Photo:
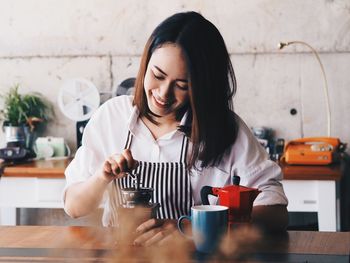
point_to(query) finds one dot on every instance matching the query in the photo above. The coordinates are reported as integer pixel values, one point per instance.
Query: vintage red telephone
(239, 199)
(313, 151)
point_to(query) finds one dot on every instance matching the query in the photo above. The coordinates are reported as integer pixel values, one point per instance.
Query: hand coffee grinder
(239, 199)
(136, 208)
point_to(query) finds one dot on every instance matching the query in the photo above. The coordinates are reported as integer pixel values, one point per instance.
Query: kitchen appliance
(239, 199)
(18, 144)
(16, 154)
(135, 209)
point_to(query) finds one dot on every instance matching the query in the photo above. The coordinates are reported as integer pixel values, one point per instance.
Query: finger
(156, 238)
(122, 163)
(119, 164)
(166, 240)
(148, 225)
(142, 239)
(115, 170)
(107, 171)
(131, 162)
(107, 167)
(163, 236)
(174, 235)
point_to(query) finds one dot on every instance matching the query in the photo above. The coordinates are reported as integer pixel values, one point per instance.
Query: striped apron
(170, 181)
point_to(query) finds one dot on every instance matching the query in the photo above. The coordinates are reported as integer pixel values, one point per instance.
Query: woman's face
(166, 81)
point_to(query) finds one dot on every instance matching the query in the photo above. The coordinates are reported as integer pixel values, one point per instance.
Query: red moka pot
(239, 199)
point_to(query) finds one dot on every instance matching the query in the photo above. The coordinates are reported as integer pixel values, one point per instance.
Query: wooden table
(98, 244)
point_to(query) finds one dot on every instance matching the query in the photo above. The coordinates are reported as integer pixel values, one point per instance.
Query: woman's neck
(162, 127)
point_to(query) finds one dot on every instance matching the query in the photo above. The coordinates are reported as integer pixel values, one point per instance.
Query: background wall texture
(44, 42)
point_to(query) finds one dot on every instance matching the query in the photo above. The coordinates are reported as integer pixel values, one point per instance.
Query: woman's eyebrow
(161, 71)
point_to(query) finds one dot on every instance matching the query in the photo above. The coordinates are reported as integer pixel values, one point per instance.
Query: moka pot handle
(208, 190)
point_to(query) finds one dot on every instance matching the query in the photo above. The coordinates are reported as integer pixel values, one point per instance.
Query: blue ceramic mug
(209, 225)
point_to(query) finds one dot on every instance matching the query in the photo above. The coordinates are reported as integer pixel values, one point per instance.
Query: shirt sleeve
(82, 166)
(266, 176)
(90, 156)
(256, 170)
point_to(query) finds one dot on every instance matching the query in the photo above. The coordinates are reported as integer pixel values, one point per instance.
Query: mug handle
(179, 225)
(68, 150)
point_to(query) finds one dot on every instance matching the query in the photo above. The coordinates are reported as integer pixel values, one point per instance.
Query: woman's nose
(166, 89)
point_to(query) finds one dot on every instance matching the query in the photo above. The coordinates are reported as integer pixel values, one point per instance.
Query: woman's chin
(160, 111)
(160, 114)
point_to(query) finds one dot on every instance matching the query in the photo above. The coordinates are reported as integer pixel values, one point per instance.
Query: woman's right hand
(117, 165)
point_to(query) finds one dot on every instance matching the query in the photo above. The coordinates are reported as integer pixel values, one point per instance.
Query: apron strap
(128, 141)
(184, 148)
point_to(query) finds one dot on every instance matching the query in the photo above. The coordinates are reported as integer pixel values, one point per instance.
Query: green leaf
(18, 109)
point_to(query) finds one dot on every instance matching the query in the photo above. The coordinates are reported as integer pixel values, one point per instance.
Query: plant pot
(19, 136)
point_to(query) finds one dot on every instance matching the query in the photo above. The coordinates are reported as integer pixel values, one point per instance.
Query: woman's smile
(161, 103)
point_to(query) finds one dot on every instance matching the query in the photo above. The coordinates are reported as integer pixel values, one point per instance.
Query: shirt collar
(132, 122)
(133, 118)
(184, 118)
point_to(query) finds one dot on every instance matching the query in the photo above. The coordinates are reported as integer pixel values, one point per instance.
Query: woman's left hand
(155, 232)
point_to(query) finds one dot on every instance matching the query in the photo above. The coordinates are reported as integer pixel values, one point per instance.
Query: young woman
(179, 129)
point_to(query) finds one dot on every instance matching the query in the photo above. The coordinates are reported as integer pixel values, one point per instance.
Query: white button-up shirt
(106, 134)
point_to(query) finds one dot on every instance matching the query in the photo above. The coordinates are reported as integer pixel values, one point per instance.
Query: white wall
(44, 42)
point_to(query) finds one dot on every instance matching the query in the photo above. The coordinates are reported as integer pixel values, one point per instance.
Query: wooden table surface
(55, 169)
(312, 172)
(92, 244)
(38, 168)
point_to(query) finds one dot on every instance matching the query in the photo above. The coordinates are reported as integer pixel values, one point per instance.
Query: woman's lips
(161, 104)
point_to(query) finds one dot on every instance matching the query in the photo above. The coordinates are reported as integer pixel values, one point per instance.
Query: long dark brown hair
(211, 124)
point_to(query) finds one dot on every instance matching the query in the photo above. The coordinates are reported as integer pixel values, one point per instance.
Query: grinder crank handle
(208, 190)
(135, 177)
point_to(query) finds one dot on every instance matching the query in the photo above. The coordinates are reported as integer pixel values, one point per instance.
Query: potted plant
(22, 115)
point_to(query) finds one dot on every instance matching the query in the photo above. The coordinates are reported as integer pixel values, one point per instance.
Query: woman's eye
(158, 76)
(182, 87)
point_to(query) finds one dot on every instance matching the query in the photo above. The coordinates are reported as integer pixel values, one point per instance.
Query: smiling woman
(178, 133)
